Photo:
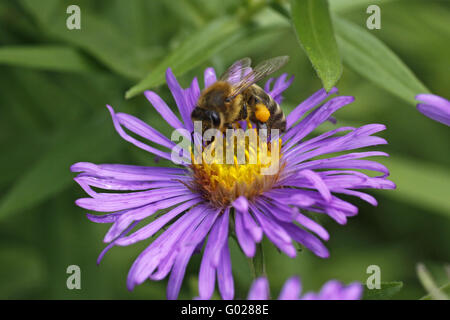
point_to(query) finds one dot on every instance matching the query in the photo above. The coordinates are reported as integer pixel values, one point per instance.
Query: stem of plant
(257, 263)
(428, 283)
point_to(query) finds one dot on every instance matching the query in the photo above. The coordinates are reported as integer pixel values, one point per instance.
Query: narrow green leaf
(346, 5)
(45, 57)
(196, 49)
(312, 24)
(186, 11)
(50, 174)
(387, 291)
(445, 289)
(429, 284)
(373, 60)
(98, 36)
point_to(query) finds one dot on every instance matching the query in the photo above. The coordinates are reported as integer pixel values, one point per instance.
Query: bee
(235, 96)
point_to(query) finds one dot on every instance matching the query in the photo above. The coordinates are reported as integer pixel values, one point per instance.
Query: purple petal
(315, 142)
(352, 292)
(278, 210)
(280, 85)
(113, 243)
(251, 226)
(132, 140)
(313, 226)
(149, 259)
(193, 93)
(209, 77)
(180, 99)
(130, 172)
(318, 183)
(105, 218)
(364, 196)
(434, 107)
(163, 109)
(207, 275)
(179, 267)
(245, 240)
(308, 104)
(156, 225)
(144, 130)
(291, 289)
(259, 290)
(116, 184)
(307, 239)
(216, 241)
(338, 215)
(357, 138)
(141, 213)
(241, 204)
(275, 233)
(329, 290)
(224, 274)
(334, 290)
(314, 119)
(129, 201)
(268, 84)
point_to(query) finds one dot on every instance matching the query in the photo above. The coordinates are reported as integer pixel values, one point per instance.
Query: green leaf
(346, 5)
(312, 24)
(387, 291)
(429, 284)
(50, 174)
(45, 57)
(373, 60)
(97, 36)
(445, 289)
(430, 187)
(186, 11)
(196, 49)
(23, 272)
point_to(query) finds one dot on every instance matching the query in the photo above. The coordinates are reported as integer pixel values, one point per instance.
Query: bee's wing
(261, 71)
(237, 71)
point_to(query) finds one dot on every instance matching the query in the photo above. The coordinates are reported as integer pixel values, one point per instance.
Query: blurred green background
(54, 84)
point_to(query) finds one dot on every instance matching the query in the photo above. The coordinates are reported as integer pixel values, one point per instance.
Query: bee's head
(212, 105)
(209, 118)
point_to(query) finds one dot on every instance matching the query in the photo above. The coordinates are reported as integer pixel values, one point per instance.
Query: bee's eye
(227, 100)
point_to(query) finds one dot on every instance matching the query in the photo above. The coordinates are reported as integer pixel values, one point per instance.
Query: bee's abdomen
(277, 120)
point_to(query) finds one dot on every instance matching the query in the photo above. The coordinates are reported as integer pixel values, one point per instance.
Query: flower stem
(257, 263)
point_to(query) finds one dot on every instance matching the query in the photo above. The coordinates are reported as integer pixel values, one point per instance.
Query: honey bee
(235, 96)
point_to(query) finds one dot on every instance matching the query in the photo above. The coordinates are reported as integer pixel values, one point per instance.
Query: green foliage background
(54, 84)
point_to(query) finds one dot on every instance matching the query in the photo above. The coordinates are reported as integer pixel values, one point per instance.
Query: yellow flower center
(242, 166)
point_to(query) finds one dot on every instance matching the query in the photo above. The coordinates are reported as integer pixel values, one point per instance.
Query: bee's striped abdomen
(277, 119)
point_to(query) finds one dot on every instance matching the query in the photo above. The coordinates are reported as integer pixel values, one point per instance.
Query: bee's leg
(262, 125)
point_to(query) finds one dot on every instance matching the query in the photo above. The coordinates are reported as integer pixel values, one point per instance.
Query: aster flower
(434, 107)
(201, 201)
(332, 290)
